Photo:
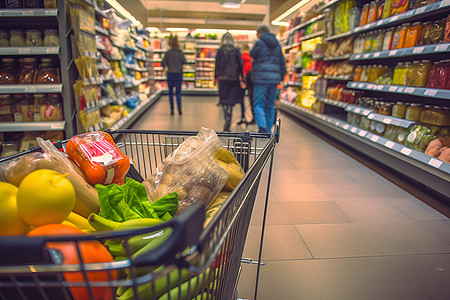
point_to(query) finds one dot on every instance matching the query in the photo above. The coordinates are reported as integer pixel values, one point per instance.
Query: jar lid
(46, 60)
(50, 30)
(8, 60)
(427, 106)
(399, 103)
(30, 60)
(416, 61)
(39, 96)
(33, 31)
(415, 104)
(417, 23)
(17, 31)
(4, 96)
(406, 24)
(426, 61)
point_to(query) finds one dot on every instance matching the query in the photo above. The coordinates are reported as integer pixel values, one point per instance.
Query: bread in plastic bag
(190, 171)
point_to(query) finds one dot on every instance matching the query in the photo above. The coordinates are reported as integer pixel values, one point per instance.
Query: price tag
(445, 3)
(370, 86)
(357, 110)
(406, 151)
(393, 19)
(58, 125)
(390, 144)
(418, 50)
(441, 47)
(420, 10)
(353, 85)
(371, 116)
(336, 123)
(360, 85)
(410, 90)
(357, 29)
(429, 92)
(366, 26)
(51, 50)
(357, 56)
(400, 90)
(379, 87)
(362, 133)
(408, 14)
(376, 54)
(30, 89)
(392, 89)
(49, 12)
(374, 138)
(353, 129)
(366, 55)
(27, 13)
(24, 50)
(387, 121)
(435, 163)
(346, 126)
(392, 53)
(380, 23)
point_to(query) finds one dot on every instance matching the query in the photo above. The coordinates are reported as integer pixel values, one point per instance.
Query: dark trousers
(174, 80)
(227, 113)
(248, 79)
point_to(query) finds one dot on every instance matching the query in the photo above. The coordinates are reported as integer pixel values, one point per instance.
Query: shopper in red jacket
(247, 70)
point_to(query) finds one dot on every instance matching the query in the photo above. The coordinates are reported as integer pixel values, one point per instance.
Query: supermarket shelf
(333, 102)
(338, 36)
(101, 30)
(126, 121)
(405, 52)
(292, 45)
(205, 78)
(339, 77)
(188, 79)
(159, 50)
(328, 4)
(28, 50)
(135, 68)
(189, 51)
(317, 57)
(134, 37)
(208, 47)
(157, 60)
(358, 110)
(31, 126)
(204, 69)
(27, 12)
(130, 49)
(297, 84)
(100, 12)
(143, 58)
(389, 120)
(410, 16)
(143, 48)
(190, 61)
(105, 101)
(342, 57)
(158, 68)
(114, 57)
(206, 42)
(103, 67)
(205, 59)
(432, 173)
(299, 26)
(309, 73)
(160, 78)
(30, 88)
(397, 89)
(311, 36)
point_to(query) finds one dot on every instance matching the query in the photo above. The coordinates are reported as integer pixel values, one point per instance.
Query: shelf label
(353, 85)
(445, 3)
(387, 121)
(371, 116)
(429, 92)
(366, 55)
(365, 112)
(393, 52)
(420, 10)
(374, 138)
(357, 110)
(394, 18)
(435, 163)
(370, 86)
(376, 54)
(410, 90)
(30, 89)
(346, 126)
(390, 144)
(58, 125)
(362, 133)
(49, 12)
(441, 47)
(379, 87)
(418, 50)
(50, 50)
(24, 50)
(27, 13)
(392, 89)
(360, 85)
(357, 56)
(400, 90)
(367, 26)
(408, 14)
(380, 23)
(406, 151)
(353, 129)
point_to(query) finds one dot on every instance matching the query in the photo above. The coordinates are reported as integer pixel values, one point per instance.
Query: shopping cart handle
(19, 250)
(186, 230)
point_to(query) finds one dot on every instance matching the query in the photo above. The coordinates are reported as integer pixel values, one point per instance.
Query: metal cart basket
(195, 262)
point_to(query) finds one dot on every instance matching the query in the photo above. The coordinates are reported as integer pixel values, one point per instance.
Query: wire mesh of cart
(195, 262)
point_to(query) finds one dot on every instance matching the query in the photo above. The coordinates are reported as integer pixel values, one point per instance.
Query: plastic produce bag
(190, 171)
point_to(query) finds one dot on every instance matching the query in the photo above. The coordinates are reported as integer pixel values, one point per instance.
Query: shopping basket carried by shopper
(194, 261)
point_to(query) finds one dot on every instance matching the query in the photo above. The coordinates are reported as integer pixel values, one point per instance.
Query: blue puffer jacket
(269, 66)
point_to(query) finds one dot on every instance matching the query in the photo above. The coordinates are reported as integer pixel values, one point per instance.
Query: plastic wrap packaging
(190, 171)
(99, 158)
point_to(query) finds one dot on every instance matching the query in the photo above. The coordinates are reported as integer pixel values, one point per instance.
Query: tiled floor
(335, 229)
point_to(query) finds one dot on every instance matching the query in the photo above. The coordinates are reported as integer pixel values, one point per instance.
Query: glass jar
(4, 38)
(397, 71)
(373, 10)
(413, 34)
(17, 38)
(368, 42)
(413, 112)
(376, 106)
(8, 73)
(28, 71)
(399, 110)
(411, 74)
(425, 33)
(50, 4)
(422, 72)
(385, 109)
(398, 40)
(6, 108)
(34, 38)
(447, 30)
(364, 17)
(357, 74)
(47, 72)
(51, 38)
(377, 44)
(364, 74)
(387, 40)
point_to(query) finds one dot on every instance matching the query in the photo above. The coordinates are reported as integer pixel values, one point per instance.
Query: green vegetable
(129, 201)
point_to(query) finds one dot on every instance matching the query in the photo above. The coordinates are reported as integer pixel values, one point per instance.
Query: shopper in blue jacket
(268, 70)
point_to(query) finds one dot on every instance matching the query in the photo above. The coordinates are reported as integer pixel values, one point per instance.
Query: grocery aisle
(335, 229)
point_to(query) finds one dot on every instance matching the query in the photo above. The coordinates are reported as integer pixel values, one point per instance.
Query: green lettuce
(129, 201)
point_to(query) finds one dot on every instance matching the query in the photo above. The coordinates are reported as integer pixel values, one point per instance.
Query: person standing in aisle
(228, 73)
(269, 69)
(247, 70)
(173, 63)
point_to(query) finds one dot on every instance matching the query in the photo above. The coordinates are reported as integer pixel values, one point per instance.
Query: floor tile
(431, 272)
(415, 209)
(441, 228)
(332, 279)
(298, 192)
(281, 242)
(371, 239)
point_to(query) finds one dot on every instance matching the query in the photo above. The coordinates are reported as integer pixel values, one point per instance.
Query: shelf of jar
(338, 77)
(311, 36)
(30, 88)
(335, 103)
(101, 30)
(338, 36)
(336, 58)
(143, 48)
(302, 25)
(29, 50)
(404, 52)
(31, 126)
(27, 12)
(400, 89)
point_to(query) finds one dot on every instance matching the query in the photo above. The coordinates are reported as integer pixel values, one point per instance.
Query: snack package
(99, 158)
(190, 171)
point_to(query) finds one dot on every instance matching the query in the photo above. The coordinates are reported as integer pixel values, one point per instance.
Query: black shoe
(252, 122)
(171, 112)
(226, 129)
(242, 121)
(262, 130)
(180, 113)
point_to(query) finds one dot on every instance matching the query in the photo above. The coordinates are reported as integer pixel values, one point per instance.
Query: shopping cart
(193, 263)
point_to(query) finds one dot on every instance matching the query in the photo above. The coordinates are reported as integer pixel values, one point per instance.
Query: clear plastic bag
(190, 171)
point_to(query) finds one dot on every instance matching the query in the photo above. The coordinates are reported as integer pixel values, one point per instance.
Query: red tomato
(91, 252)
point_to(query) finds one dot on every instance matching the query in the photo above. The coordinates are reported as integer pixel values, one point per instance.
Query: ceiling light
(177, 29)
(277, 23)
(232, 3)
(290, 10)
(125, 13)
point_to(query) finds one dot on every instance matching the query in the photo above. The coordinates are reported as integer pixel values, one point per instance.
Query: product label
(406, 151)
(420, 10)
(393, 52)
(362, 133)
(376, 54)
(411, 137)
(390, 144)
(418, 50)
(435, 163)
(392, 89)
(380, 128)
(387, 121)
(374, 138)
(353, 129)
(441, 47)
(48, 112)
